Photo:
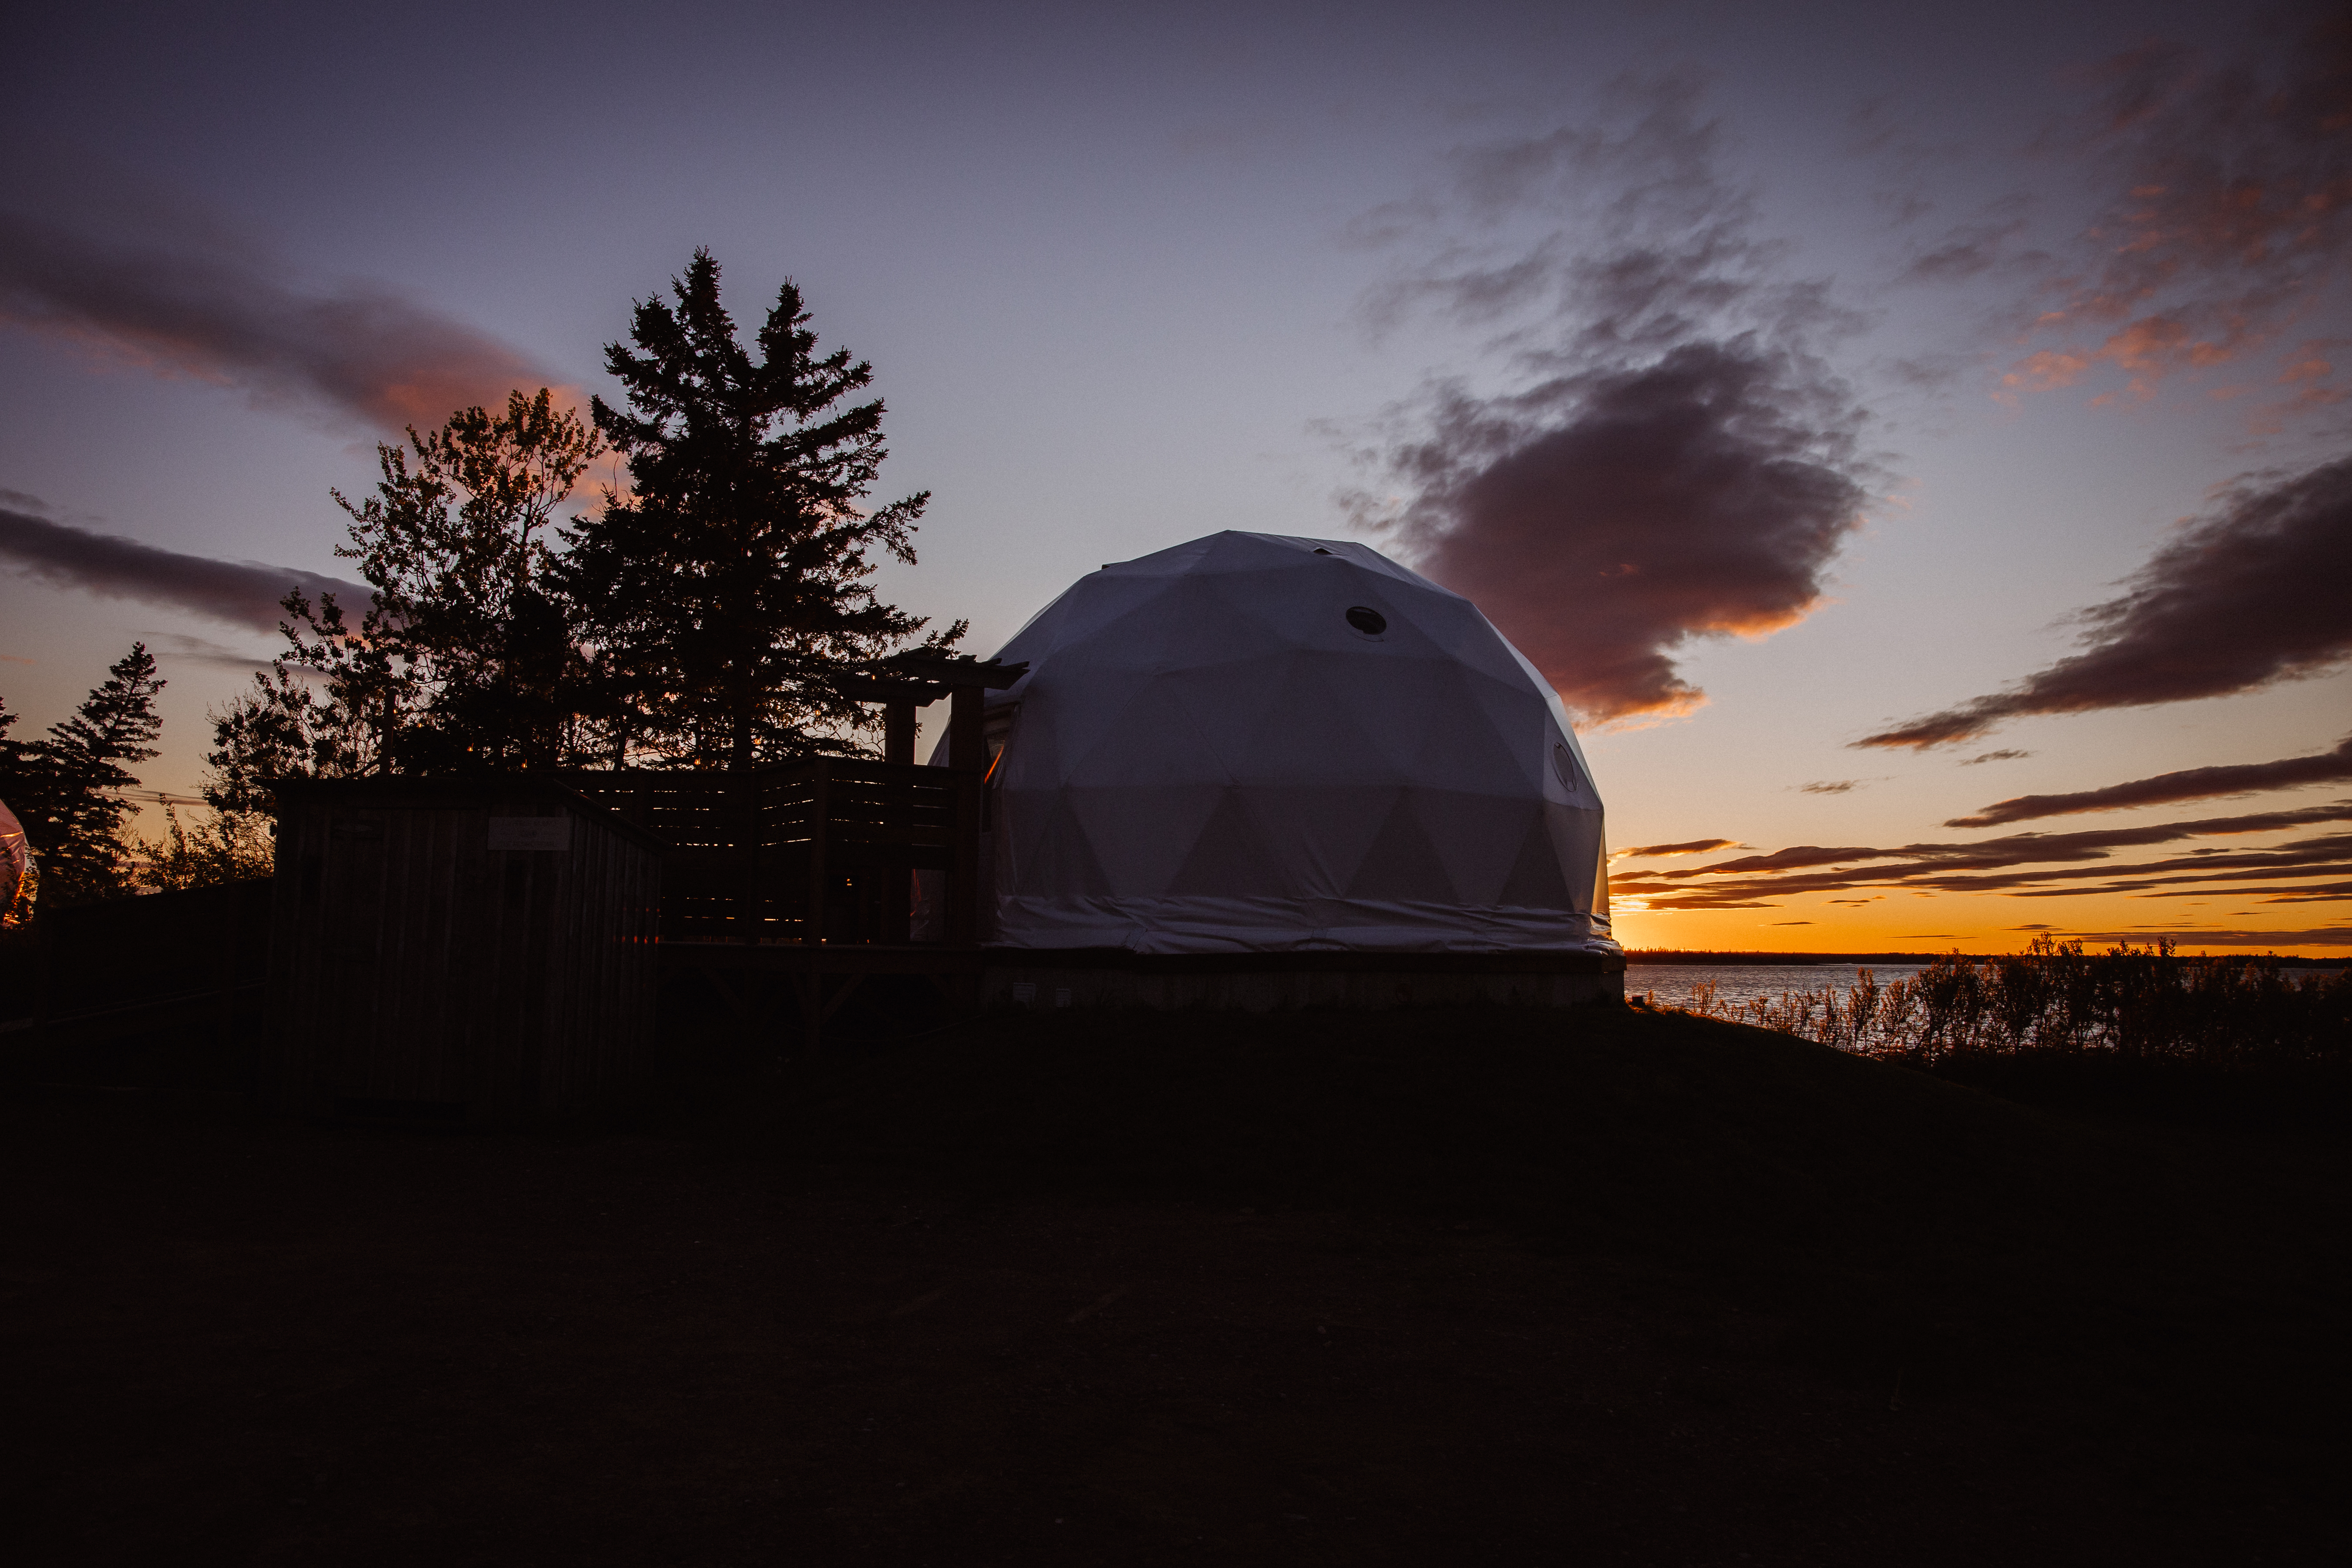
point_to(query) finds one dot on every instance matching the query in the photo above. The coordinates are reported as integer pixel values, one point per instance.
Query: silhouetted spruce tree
(731, 588)
(71, 819)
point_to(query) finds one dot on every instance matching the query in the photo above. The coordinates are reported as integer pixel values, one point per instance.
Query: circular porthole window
(1564, 765)
(1367, 620)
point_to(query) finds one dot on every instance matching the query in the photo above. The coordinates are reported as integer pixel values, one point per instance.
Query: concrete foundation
(1267, 982)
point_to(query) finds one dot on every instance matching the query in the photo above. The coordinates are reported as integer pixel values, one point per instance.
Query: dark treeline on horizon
(1695, 956)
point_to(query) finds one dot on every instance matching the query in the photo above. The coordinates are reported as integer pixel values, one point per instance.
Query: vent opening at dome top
(1367, 620)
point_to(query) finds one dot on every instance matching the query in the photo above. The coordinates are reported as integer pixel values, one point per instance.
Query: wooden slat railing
(819, 851)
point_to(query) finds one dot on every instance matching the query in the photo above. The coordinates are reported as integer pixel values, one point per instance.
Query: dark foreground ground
(1473, 1289)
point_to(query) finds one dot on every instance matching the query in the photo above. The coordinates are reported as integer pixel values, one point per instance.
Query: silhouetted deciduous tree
(454, 546)
(730, 589)
(465, 657)
(223, 847)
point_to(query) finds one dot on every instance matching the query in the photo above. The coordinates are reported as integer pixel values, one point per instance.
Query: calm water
(1739, 982)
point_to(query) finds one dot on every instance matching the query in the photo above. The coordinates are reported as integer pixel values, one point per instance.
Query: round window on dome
(1367, 620)
(1565, 766)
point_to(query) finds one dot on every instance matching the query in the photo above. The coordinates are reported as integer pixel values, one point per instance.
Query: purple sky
(1779, 378)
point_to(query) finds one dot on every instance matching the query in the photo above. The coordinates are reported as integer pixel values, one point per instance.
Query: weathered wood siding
(414, 967)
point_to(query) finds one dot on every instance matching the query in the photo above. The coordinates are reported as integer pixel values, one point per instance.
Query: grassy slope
(1906, 1222)
(1373, 1289)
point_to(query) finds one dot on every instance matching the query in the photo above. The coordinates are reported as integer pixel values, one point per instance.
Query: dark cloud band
(182, 301)
(241, 593)
(2237, 602)
(2015, 862)
(2189, 784)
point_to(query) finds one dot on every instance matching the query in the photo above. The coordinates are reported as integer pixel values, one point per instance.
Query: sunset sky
(1905, 440)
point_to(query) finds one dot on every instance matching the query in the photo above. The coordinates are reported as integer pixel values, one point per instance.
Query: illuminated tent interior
(1255, 743)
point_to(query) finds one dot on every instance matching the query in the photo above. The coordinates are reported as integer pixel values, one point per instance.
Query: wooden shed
(476, 951)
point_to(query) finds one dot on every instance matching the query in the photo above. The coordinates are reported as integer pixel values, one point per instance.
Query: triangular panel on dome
(1402, 865)
(1534, 880)
(1228, 858)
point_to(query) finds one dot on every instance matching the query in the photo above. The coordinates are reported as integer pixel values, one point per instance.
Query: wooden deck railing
(822, 851)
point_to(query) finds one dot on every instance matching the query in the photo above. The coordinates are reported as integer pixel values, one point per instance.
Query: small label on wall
(530, 833)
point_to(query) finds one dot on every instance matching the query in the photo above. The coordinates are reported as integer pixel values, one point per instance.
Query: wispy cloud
(1682, 465)
(242, 592)
(2230, 218)
(1993, 757)
(2236, 601)
(1831, 786)
(1687, 847)
(2188, 783)
(144, 282)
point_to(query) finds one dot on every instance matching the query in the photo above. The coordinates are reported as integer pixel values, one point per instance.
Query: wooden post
(966, 745)
(820, 826)
(967, 760)
(897, 878)
(743, 801)
(898, 729)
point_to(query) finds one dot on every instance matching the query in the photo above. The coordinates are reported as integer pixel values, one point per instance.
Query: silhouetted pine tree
(731, 588)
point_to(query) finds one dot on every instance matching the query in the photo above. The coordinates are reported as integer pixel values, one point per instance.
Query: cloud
(2188, 783)
(2332, 892)
(1994, 757)
(1682, 464)
(2235, 601)
(149, 284)
(2312, 936)
(2229, 217)
(1687, 847)
(242, 592)
(2016, 862)
(179, 647)
(1831, 786)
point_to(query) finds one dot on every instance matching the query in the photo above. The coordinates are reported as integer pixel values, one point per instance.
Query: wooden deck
(803, 876)
(820, 852)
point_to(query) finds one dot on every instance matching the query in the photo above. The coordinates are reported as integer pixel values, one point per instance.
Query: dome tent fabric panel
(1253, 742)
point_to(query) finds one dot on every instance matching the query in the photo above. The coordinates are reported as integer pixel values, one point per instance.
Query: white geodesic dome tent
(1259, 743)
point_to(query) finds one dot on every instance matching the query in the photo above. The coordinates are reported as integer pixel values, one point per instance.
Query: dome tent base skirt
(1271, 982)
